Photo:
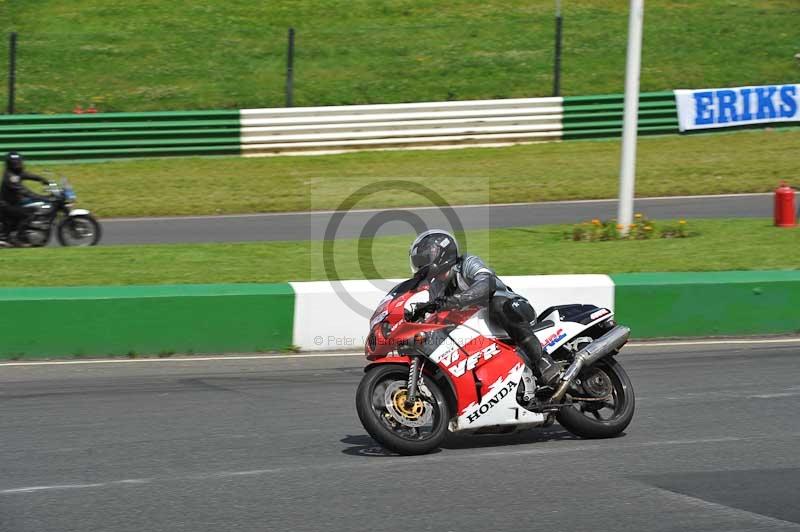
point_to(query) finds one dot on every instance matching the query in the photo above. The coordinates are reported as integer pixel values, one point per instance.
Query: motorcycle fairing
(499, 404)
(563, 331)
(475, 364)
(481, 322)
(451, 357)
(389, 359)
(576, 312)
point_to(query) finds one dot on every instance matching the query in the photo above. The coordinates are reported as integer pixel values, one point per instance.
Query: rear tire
(577, 421)
(380, 418)
(74, 227)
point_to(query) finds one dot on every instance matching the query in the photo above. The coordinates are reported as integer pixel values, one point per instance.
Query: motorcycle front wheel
(81, 230)
(399, 426)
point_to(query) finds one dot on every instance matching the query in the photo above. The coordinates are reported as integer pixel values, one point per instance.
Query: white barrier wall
(330, 316)
(325, 320)
(428, 124)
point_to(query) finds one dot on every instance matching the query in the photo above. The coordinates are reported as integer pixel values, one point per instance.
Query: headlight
(386, 329)
(378, 318)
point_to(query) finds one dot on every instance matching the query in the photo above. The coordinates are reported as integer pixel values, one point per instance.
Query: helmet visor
(421, 256)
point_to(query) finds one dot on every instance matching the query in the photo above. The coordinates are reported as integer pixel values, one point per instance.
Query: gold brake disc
(415, 414)
(413, 411)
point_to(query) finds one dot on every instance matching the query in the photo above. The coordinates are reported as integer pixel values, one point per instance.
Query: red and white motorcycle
(431, 370)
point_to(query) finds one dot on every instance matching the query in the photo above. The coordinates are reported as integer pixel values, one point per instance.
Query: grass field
(720, 245)
(752, 161)
(156, 55)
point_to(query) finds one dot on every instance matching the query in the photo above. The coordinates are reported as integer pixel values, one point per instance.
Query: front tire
(601, 419)
(410, 430)
(80, 230)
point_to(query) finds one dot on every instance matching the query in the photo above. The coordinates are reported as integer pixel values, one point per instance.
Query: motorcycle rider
(14, 195)
(458, 281)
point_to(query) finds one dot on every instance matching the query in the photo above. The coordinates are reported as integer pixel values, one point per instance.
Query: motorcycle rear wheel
(601, 419)
(404, 429)
(81, 230)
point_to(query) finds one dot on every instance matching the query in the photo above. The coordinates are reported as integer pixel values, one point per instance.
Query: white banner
(713, 108)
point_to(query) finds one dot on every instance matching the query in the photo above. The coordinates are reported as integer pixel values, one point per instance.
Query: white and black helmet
(434, 250)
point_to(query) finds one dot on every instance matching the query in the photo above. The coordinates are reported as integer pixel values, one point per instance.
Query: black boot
(544, 365)
(548, 370)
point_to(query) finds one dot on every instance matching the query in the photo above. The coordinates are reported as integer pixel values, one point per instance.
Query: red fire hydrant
(785, 212)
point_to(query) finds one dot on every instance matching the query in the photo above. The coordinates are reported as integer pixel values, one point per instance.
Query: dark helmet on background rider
(434, 251)
(14, 162)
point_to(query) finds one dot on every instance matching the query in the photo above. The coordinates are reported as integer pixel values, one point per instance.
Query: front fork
(414, 373)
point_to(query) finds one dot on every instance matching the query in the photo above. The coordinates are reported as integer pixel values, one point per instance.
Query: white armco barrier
(405, 125)
(326, 319)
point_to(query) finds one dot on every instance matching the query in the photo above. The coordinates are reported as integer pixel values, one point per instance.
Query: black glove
(423, 308)
(448, 302)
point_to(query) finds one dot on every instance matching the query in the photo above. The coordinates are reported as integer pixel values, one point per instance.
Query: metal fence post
(290, 69)
(557, 62)
(12, 71)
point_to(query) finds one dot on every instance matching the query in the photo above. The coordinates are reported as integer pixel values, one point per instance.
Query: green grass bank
(732, 244)
(155, 55)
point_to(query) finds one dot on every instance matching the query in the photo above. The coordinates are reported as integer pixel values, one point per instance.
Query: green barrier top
(639, 279)
(153, 291)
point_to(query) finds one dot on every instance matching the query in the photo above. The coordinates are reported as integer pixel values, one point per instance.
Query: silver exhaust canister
(610, 341)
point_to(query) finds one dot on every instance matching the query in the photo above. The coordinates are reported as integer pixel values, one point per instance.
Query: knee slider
(519, 311)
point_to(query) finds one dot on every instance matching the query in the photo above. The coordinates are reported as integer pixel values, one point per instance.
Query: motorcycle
(433, 370)
(73, 227)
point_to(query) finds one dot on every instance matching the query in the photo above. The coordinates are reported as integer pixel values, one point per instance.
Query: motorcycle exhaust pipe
(610, 341)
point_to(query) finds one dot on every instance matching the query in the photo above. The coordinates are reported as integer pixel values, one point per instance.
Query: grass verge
(727, 244)
(747, 161)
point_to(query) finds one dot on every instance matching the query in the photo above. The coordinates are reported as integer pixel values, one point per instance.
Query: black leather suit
(12, 195)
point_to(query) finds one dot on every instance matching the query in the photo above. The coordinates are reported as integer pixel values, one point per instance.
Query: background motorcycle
(431, 370)
(73, 227)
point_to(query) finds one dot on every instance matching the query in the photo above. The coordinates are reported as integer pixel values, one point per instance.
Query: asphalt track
(274, 444)
(317, 225)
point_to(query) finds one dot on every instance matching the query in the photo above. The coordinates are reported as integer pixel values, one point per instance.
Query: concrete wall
(92, 321)
(97, 321)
